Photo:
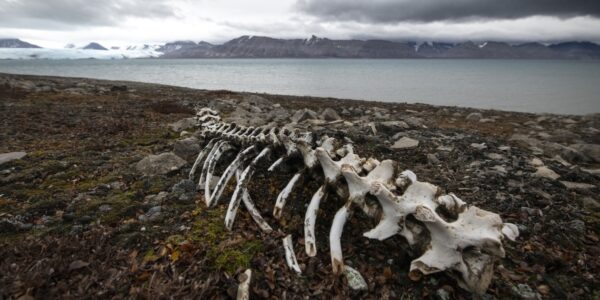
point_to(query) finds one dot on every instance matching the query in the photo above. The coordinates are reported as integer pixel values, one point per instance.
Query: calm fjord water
(555, 86)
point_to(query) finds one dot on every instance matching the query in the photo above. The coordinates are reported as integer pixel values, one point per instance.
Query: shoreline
(78, 194)
(293, 98)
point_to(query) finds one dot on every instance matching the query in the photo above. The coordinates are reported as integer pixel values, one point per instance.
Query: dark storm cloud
(41, 14)
(390, 11)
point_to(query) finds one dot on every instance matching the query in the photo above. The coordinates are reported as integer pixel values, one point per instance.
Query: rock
(152, 214)
(183, 124)
(577, 185)
(563, 135)
(591, 151)
(303, 114)
(405, 143)
(494, 156)
(413, 121)
(6, 157)
(329, 114)
(187, 148)
(157, 199)
(11, 226)
(546, 172)
(590, 204)
(486, 120)
(525, 292)
(355, 279)
(432, 159)
(184, 186)
(160, 164)
(478, 146)
(577, 226)
(442, 294)
(474, 116)
(393, 125)
(536, 162)
(104, 208)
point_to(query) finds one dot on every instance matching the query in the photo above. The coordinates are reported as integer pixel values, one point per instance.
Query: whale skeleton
(466, 244)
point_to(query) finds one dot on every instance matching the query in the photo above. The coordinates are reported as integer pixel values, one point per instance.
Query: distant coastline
(314, 47)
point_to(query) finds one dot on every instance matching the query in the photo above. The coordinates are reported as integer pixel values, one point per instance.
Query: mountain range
(315, 47)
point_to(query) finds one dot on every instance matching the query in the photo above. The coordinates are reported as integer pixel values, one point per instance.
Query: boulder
(160, 164)
(329, 114)
(187, 148)
(183, 124)
(6, 157)
(303, 114)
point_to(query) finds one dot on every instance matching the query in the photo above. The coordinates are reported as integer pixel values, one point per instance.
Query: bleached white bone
(333, 169)
(254, 213)
(234, 203)
(359, 187)
(290, 256)
(211, 168)
(200, 157)
(209, 158)
(243, 292)
(285, 193)
(276, 164)
(310, 218)
(228, 173)
(335, 234)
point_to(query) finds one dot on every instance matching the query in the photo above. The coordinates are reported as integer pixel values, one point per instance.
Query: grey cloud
(393, 11)
(44, 14)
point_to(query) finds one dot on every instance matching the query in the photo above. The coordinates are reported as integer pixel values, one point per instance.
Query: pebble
(355, 279)
(478, 146)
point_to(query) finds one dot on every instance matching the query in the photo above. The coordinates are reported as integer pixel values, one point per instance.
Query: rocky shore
(94, 201)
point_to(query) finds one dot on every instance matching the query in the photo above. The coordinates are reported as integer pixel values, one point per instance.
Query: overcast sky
(54, 23)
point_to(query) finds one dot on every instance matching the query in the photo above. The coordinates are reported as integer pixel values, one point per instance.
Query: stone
(478, 146)
(591, 151)
(160, 164)
(187, 148)
(577, 226)
(525, 292)
(157, 199)
(355, 279)
(590, 204)
(104, 208)
(183, 124)
(546, 172)
(6, 157)
(577, 185)
(474, 116)
(432, 159)
(152, 214)
(303, 114)
(494, 156)
(405, 143)
(393, 125)
(536, 162)
(329, 114)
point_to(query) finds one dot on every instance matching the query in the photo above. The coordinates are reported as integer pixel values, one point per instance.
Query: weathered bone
(211, 168)
(228, 173)
(310, 219)
(285, 193)
(467, 245)
(290, 256)
(240, 188)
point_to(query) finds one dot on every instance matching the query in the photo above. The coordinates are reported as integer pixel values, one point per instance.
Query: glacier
(71, 53)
